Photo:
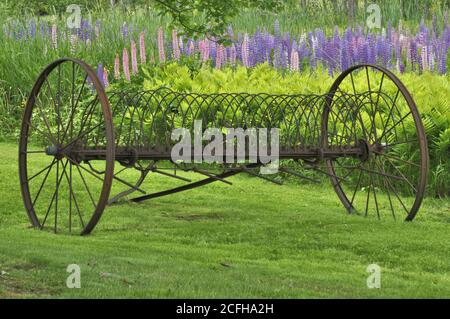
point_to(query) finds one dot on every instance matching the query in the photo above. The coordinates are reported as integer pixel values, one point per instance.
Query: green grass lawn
(254, 239)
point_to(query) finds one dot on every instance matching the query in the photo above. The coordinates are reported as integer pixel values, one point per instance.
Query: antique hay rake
(365, 135)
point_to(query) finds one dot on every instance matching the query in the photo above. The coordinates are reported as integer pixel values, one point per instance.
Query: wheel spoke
(404, 177)
(43, 182)
(75, 200)
(72, 114)
(51, 202)
(397, 158)
(85, 185)
(387, 189)
(49, 166)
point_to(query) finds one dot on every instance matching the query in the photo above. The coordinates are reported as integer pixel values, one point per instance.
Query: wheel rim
(368, 106)
(67, 109)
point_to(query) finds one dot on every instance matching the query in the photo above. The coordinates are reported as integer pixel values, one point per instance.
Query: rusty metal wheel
(66, 111)
(368, 106)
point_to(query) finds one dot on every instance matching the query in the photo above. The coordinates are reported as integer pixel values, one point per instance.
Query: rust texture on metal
(367, 139)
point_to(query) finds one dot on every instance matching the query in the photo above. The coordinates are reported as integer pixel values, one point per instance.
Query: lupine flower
(73, 43)
(117, 67)
(191, 48)
(426, 50)
(142, 53)
(54, 36)
(424, 57)
(126, 64)
(219, 58)
(175, 46)
(294, 60)
(233, 55)
(105, 78)
(162, 55)
(33, 28)
(276, 28)
(134, 66)
(125, 30)
(245, 51)
(204, 50)
(100, 74)
(42, 28)
(97, 29)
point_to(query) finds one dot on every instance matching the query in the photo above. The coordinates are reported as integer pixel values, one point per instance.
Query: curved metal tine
(139, 182)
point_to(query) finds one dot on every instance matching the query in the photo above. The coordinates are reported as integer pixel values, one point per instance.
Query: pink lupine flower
(117, 67)
(142, 53)
(152, 58)
(54, 36)
(175, 46)
(424, 56)
(134, 66)
(294, 61)
(204, 50)
(126, 64)
(201, 47)
(233, 54)
(245, 51)
(181, 43)
(162, 55)
(219, 57)
(105, 77)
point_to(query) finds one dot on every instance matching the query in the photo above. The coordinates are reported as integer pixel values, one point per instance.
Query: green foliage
(250, 240)
(208, 17)
(429, 91)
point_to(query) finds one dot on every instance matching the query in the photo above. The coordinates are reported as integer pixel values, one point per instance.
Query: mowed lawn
(250, 240)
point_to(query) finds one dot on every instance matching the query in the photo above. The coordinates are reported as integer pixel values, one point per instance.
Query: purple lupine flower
(413, 54)
(42, 28)
(125, 31)
(424, 57)
(191, 48)
(32, 28)
(276, 27)
(212, 49)
(233, 55)
(100, 73)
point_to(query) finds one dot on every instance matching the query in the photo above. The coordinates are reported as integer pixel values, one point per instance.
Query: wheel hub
(54, 150)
